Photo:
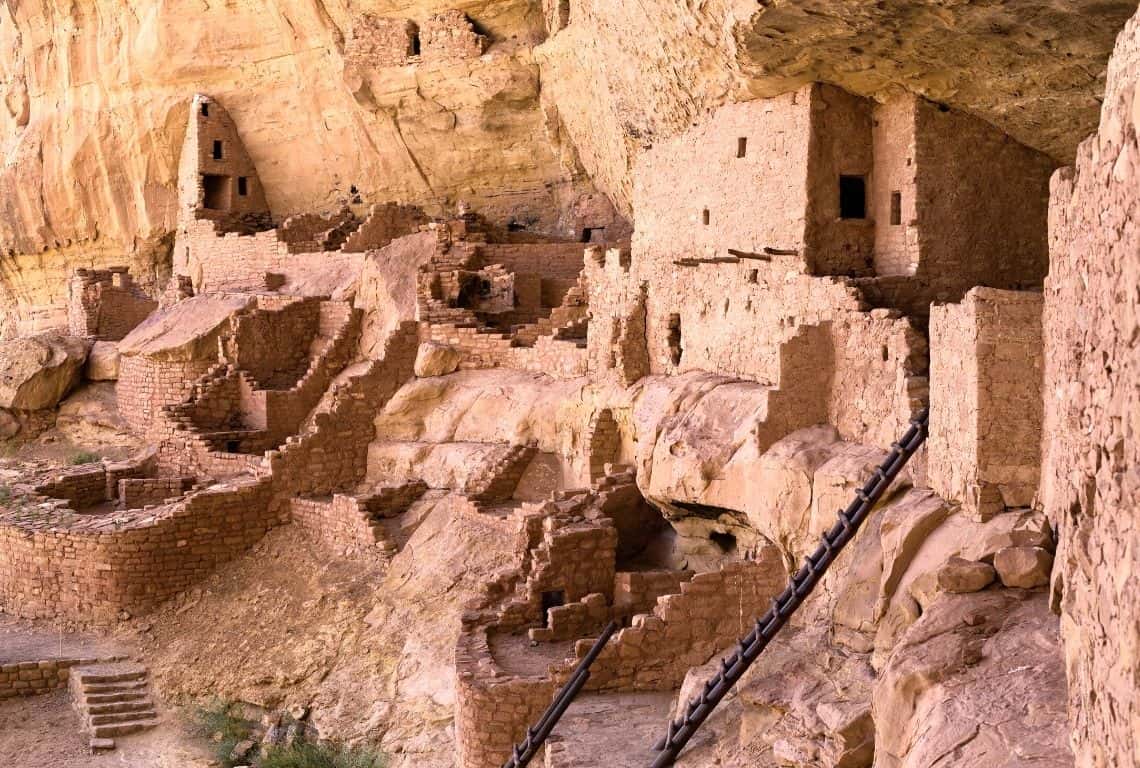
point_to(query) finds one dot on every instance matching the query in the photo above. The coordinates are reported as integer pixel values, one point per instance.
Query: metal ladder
(733, 667)
(536, 735)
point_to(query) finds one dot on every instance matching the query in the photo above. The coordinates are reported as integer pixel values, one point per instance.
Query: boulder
(960, 576)
(1023, 567)
(435, 359)
(103, 362)
(37, 372)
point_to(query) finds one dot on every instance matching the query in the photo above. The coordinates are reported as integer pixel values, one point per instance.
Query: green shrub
(222, 723)
(85, 457)
(309, 755)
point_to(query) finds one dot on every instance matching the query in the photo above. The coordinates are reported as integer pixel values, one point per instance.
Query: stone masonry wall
(30, 678)
(106, 304)
(986, 400)
(146, 384)
(1091, 471)
(983, 204)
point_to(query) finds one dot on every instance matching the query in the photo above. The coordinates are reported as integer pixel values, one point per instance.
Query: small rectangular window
(896, 208)
(243, 186)
(852, 197)
(205, 109)
(217, 150)
(705, 216)
(742, 146)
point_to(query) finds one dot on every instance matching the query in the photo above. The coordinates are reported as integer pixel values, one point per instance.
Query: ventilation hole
(886, 353)
(205, 109)
(852, 197)
(217, 150)
(896, 208)
(705, 216)
(243, 186)
(753, 276)
(742, 146)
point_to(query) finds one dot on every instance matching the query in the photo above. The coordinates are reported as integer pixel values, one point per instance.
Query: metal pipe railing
(799, 587)
(536, 735)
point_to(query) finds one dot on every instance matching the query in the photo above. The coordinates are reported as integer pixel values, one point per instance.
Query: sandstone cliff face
(1090, 480)
(94, 95)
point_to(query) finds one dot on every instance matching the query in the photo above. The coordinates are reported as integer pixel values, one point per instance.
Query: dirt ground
(43, 732)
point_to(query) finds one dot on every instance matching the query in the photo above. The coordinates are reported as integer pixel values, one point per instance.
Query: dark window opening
(415, 43)
(594, 235)
(217, 150)
(205, 109)
(725, 542)
(886, 353)
(563, 13)
(753, 276)
(233, 446)
(705, 216)
(852, 197)
(674, 338)
(243, 186)
(896, 208)
(551, 599)
(742, 146)
(216, 192)
(516, 226)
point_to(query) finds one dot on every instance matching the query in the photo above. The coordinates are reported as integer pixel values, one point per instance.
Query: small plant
(303, 754)
(85, 457)
(222, 723)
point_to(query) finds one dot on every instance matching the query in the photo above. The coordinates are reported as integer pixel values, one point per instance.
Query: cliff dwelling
(569, 384)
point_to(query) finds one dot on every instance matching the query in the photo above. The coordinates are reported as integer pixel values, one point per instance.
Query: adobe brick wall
(90, 568)
(146, 384)
(986, 402)
(106, 304)
(376, 41)
(840, 145)
(983, 218)
(894, 139)
(450, 36)
(31, 678)
(754, 201)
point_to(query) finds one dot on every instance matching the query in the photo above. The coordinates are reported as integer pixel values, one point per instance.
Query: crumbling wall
(105, 304)
(450, 36)
(986, 365)
(1091, 472)
(376, 41)
(146, 384)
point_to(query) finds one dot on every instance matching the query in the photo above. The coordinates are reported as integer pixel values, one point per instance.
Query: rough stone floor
(616, 730)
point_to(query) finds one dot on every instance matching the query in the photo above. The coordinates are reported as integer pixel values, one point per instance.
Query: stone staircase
(112, 700)
(497, 482)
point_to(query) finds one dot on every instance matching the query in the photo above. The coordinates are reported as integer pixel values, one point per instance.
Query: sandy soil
(43, 732)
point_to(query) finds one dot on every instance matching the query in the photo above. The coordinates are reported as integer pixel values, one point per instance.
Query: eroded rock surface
(39, 371)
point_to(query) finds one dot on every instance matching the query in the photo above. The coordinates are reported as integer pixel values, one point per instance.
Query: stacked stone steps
(497, 482)
(112, 700)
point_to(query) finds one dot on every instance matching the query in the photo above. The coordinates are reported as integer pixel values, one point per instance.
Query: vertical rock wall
(1091, 473)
